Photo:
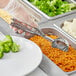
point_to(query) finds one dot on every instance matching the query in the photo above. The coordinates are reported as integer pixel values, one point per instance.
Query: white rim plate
(23, 62)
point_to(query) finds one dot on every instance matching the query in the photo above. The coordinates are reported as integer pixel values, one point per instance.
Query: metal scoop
(60, 43)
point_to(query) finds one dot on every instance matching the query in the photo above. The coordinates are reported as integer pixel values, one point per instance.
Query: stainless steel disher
(60, 43)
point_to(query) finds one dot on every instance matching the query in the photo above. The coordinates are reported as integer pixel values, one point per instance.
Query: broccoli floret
(53, 7)
(72, 6)
(6, 45)
(1, 54)
(1, 43)
(15, 48)
(6, 48)
(8, 40)
(1, 48)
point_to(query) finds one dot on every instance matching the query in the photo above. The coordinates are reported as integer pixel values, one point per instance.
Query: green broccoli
(6, 45)
(6, 48)
(53, 7)
(8, 40)
(15, 48)
(1, 54)
(1, 43)
(1, 48)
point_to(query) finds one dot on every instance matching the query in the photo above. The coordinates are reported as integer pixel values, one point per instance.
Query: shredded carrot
(65, 60)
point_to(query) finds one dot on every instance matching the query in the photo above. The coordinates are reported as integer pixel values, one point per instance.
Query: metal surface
(43, 14)
(56, 43)
(5, 29)
(38, 72)
(56, 30)
(53, 71)
(50, 68)
(46, 65)
(48, 24)
(59, 22)
(62, 24)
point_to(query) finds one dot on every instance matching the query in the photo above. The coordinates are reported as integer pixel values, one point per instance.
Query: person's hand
(19, 12)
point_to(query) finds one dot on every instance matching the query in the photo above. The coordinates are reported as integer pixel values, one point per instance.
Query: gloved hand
(19, 12)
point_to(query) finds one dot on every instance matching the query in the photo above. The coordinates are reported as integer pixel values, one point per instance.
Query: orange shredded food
(65, 60)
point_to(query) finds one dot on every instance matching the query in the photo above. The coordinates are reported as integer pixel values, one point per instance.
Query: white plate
(23, 62)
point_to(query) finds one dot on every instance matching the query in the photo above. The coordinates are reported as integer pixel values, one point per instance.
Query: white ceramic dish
(23, 62)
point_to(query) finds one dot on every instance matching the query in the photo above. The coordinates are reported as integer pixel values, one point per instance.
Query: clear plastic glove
(19, 12)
